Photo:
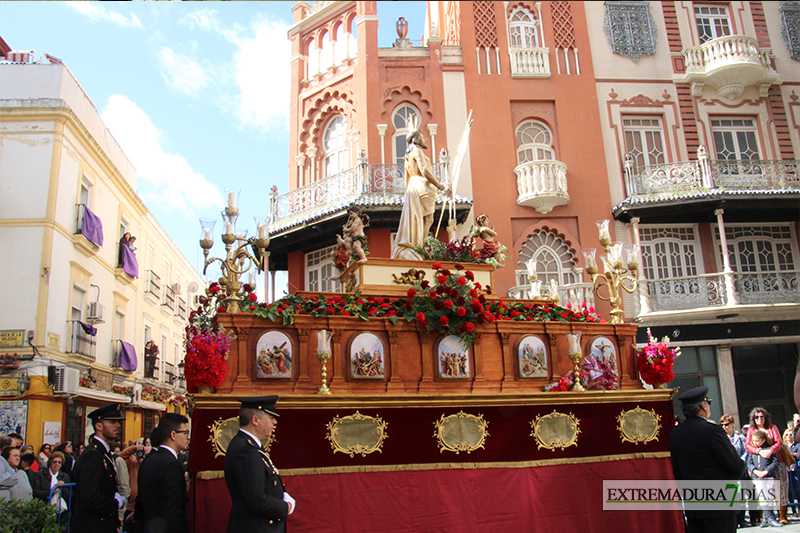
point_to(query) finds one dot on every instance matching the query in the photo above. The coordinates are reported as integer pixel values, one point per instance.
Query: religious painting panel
(367, 357)
(531, 357)
(452, 359)
(274, 355)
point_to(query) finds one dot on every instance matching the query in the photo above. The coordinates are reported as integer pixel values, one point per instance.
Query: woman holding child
(760, 420)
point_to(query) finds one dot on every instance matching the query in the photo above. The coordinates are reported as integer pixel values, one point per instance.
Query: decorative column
(303, 380)
(538, 6)
(432, 129)
(395, 384)
(644, 295)
(241, 338)
(312, 155)
(300, 160)
(479, 382)
(338, 357)
(428, 361)
(730, 282)
(382, 132)
(727, 383)
(508, 382)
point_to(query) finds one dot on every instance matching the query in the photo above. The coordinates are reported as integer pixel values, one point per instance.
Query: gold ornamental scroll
(555, 430)
(222, 432)
(461, 432)
(357, 434)
(638, 425)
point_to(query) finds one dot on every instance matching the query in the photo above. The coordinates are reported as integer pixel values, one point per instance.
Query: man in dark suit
(701, 450)
(260, 503)
(97, 499)
(162, 486)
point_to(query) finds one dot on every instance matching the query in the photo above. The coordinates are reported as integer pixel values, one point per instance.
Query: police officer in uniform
(701, 450)
(97, 500)
(260, 503)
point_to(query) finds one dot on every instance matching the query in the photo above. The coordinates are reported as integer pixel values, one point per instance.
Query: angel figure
(491, 248)
(355, 241)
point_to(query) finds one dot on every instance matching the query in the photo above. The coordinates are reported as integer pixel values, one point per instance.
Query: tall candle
(262, 231)
(228, 228)
(208, 235)
(232, 199)
(574, 340)
(553, 288)
(251, 278)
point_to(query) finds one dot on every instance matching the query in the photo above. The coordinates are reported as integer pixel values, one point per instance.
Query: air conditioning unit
(176, 287)
(95, 315)
(66, 381)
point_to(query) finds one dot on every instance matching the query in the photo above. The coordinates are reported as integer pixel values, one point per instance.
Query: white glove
(288, 499)
(121, 500)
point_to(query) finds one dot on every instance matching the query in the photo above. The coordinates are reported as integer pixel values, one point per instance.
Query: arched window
(535, 142)
(334, 144)
(522, 26)
(312, 61)
(400, 121)
(555, 260)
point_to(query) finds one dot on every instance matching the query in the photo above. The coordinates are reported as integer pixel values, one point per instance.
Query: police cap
(112, 411)
(262, 403)
(695, 395)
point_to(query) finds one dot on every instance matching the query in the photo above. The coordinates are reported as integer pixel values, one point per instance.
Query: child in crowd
(762, 469)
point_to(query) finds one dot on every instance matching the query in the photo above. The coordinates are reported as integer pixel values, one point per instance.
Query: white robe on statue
(420, 201)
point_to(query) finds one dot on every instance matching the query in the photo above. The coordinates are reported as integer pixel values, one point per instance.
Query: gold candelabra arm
(634, 283)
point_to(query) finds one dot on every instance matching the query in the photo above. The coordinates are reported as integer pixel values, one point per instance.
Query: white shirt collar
(101, 441)
(170, 449)
(251, 435)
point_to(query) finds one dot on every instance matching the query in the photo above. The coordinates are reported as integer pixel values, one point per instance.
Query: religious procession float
(419, 399)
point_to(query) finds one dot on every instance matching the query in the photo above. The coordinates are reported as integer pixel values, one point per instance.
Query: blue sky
(196, 93)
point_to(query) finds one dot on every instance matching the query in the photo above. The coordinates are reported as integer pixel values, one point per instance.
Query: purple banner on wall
(92, 227)
(129, 263)
(127, 356)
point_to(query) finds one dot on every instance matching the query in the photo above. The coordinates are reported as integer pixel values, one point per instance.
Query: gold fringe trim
(210, 474)
(217, 474)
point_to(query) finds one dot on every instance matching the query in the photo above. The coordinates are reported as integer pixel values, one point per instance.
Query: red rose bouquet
(655, 360)
(207, 344)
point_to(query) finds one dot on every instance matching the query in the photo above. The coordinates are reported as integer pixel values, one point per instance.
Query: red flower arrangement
(155, 394)
(655, 361)
(207, 344)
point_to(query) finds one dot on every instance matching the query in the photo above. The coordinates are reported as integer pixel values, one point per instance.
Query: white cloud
(181, 72)
(261, 67)
(168, 179)
(96, 12)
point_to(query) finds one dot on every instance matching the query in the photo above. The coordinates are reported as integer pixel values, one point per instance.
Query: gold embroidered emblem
(638, 425)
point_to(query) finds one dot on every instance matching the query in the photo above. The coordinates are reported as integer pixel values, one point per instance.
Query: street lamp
(237, 260)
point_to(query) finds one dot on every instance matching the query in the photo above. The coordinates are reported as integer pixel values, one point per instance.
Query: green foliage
(33, 516)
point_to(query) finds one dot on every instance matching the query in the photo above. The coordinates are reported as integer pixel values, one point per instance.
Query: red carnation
(221, 309)
(458, 267)
(252, 297)
(252, 308)
(444, 322)
(461, 281)
(461, 311)
(436, 266)
(421, 318)
(247, 287)
(425, 284)
(470, 326)
(437, 305)
(214, 289)
(441, 278)
(411, 293)
(448, 304)
(470, 276)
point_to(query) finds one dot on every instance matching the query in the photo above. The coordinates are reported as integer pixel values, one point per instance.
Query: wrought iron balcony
(153, 284)
(169, 373)
(706, 175)
(729, 64)
(542, 185)
(180, 309)
(714, 290)
(529, 62)
(384, 183)
(169, 297)
(81, 342)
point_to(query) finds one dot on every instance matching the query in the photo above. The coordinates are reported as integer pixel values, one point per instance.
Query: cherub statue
(353, 237)
(491, 248)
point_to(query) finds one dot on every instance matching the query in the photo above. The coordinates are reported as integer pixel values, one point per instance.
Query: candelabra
(536, 283)
(614, 275)
(248, 252)
(575, 354)
(323, 354)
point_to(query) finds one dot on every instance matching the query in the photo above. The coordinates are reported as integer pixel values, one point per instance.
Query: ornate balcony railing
(705, 174)
(364, 179)
(542, 185)
(730, 64)
(690, 292)
(768, 287)
(711, 290)
(529, 62)
(153, 284)
(169, 373)
(180, 308)
(81, 342)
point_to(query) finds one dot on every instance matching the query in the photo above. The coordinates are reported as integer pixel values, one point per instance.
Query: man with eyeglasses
(162, 487)
(700, 450)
